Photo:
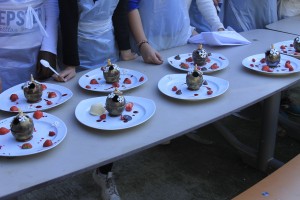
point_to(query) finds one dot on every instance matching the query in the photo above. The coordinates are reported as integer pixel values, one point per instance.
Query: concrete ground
(183, 170)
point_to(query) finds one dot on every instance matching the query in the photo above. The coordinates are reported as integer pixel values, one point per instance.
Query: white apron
(96, 41)
(243, 15)
(21, 33)
(166, 23)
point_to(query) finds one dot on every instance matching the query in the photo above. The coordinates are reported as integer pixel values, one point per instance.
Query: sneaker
(107, 184)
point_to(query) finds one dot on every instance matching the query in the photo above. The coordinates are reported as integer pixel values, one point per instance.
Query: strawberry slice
(44, 87)
(141, 79)
(47, 143)
(26, 146)
(4, 131)
(127, 81)
(116, 84)
(93, 81)
(51, 95)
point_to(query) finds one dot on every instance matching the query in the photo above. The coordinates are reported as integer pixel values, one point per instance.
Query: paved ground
(183, 170)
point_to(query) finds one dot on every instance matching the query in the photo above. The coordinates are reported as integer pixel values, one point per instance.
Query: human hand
(65, 75)
(150, 55)
(216, 2)
(128, 55)
(44, 72)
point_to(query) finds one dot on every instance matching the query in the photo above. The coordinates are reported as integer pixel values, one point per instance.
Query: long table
(86, 148)
(287, 25)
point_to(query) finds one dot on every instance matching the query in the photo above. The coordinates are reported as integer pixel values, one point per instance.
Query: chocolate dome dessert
(272, 57)
(297, 44)
(33, 90)
(194, 79)
(111, 72)
(199, 56)
(22, 127)
(115, 103)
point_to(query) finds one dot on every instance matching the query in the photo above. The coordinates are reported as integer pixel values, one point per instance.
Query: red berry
(116, 84)
(103, 116)
(265, 68)
(49, 102)
(44, 87)
(51, 95)
(26, 146)
(209, 92)
(263, 60)
(184, 65)
(93, 81)
(47, 143)
(127, 81)
(214, 66)
(189, 59)
(14, 97)
(88, 87)
(174, 88)
(4, 130)
(141, 79)
(129, 106)
(14, 108)
(51, 133)
(38, 114)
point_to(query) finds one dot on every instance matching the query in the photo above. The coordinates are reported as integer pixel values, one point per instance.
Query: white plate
(217, 85)
(142, 110)
(102, 86)
(287, 47)
(62, 95)
(254, 63)
(217, 58)
(10, 147)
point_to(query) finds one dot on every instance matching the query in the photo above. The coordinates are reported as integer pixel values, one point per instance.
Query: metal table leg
(268, 134)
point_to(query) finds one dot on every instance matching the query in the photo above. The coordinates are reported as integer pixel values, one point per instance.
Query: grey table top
(287, 25)
(86, 148)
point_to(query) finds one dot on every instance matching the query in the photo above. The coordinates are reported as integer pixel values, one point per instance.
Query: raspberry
(174, 88)
(51, 133)
(14, 97)
(209, 92)
(38, 114)
(129, 106)
(88, 87)
(14, 108)
(141, 79)
(103, 116)
(49, 102)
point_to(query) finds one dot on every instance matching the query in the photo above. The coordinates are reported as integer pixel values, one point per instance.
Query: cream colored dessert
(97, 109)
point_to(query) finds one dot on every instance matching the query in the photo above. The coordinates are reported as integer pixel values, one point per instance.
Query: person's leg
(103, 176)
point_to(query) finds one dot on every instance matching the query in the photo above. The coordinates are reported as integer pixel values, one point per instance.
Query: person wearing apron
(155, 27)
(89, 37)
(248, 14)
(197, 19)
(28, 31)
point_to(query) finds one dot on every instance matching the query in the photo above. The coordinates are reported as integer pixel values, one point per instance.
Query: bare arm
(149, 54)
